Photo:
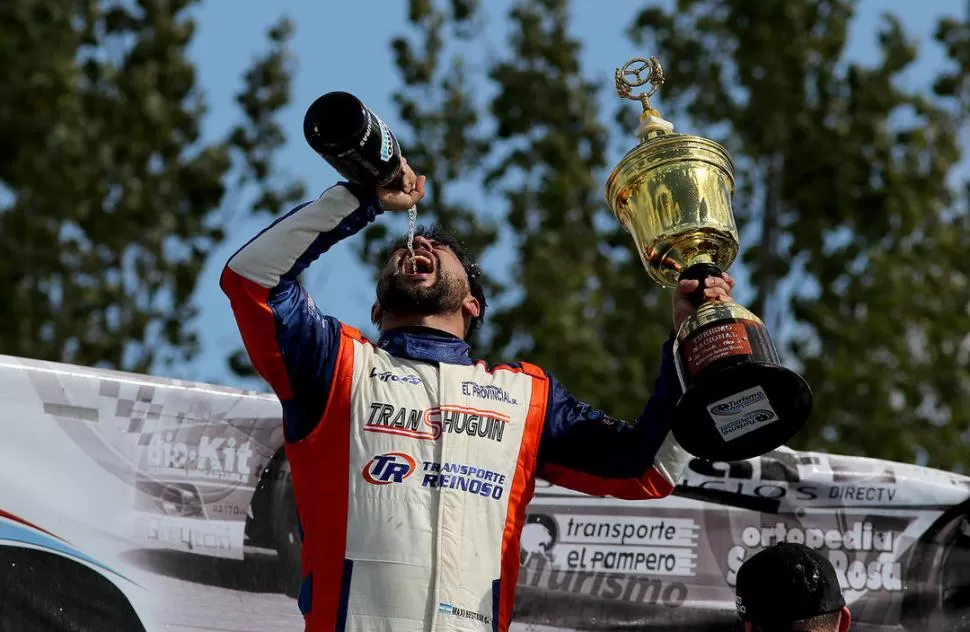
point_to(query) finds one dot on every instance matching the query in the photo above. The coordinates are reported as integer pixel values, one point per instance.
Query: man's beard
(399, 296)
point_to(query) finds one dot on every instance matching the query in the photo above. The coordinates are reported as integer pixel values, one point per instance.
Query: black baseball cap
(787, 583)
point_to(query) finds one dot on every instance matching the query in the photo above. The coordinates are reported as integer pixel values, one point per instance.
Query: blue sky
(343, 45)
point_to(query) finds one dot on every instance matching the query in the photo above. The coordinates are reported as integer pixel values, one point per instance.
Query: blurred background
(143, 141)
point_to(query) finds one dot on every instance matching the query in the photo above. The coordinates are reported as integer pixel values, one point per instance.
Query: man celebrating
(412, 463)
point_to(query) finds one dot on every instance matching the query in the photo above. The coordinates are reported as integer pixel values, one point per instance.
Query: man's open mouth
(420, 264)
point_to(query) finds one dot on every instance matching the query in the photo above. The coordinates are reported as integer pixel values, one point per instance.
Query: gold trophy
(673, 193)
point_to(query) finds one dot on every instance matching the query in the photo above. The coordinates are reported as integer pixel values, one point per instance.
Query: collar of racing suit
(426, 344)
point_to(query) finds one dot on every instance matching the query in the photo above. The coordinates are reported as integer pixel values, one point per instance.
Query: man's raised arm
(290, 342)
(586, 450)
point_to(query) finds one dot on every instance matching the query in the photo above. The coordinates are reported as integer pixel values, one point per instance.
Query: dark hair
(439, 235)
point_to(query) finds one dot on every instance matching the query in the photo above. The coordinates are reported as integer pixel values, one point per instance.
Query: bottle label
(386, 145)
(370, 128)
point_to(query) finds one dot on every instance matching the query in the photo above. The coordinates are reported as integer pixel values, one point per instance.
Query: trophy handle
(700, 272)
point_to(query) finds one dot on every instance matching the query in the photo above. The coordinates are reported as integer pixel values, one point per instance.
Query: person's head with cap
(790, 588)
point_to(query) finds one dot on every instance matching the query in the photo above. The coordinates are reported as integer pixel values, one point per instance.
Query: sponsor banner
(217, 538)
(148, 504)
(544, 580)
(637, 545)
(210, 458)
(636, 530)
(866, 557)
(608, 556)
(648, 560)
(810, 479)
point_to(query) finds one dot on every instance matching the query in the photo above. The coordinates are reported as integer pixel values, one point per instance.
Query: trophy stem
(702, 258)
(699, 270)
(653, 125)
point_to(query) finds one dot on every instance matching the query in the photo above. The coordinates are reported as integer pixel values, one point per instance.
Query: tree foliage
(586, 312)
(441, 137)
(109, 197)
(580, 305)
(854, 219)
(853, 230)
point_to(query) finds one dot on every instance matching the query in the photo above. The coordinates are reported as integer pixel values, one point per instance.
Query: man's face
(437, 285)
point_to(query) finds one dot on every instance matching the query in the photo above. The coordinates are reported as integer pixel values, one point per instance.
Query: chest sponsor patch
(389, 376)
(385, 469)
(477, 481)
(396, 467)
(488, 391)
(428, 424)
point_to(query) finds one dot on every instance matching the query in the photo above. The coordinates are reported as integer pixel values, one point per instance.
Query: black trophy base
(742, 411)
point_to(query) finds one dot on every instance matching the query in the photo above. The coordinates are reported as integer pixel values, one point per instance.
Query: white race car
(103, 466)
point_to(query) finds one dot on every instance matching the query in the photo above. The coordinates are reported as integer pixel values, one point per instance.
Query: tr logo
(392, 467)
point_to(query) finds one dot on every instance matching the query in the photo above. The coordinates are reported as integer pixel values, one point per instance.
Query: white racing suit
(413, 464)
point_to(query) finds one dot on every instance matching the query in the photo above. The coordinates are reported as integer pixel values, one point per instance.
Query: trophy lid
(659, 143)
(637, 72)
(672, 191)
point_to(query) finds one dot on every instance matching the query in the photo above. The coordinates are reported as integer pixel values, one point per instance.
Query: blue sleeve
(291, 344)
(585, 448)
(308, 341)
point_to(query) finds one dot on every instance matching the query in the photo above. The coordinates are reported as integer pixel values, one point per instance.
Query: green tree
(442, 136)
(852, 228)
(585, 309)
(109, 194)
(580, 304)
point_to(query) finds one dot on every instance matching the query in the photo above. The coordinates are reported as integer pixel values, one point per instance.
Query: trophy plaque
(673, 193)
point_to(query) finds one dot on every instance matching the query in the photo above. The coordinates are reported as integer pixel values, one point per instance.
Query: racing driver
(412, 463)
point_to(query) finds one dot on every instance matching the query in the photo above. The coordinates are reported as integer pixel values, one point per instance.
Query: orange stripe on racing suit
(320, 466)
(523, 487)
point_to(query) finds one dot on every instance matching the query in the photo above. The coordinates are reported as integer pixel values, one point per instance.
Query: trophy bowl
(673, 193)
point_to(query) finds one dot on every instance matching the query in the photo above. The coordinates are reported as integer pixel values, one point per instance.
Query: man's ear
(845, 619)
(470, 307)
(376, 314)
(470, 310)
